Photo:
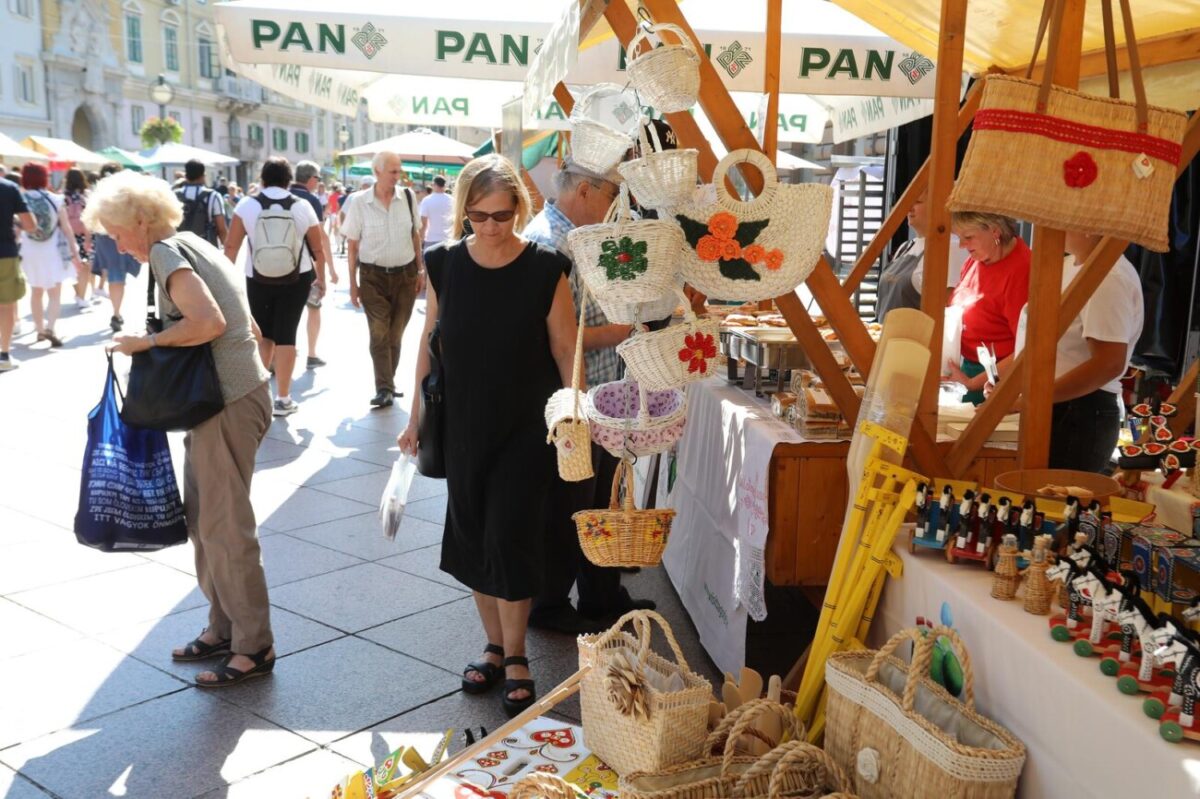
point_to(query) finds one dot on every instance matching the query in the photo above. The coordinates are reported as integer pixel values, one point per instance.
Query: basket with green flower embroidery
(627, 260)
(757, 249)
(622, 535)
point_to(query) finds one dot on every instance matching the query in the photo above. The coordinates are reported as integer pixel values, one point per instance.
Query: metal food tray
(767, 348)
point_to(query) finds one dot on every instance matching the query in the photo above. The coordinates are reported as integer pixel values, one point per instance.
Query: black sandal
(512, 707)
(490, 671)
(200, 650)
(227, 675)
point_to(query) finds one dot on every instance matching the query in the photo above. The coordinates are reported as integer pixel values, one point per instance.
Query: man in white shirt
(383, 234)
(436, 210)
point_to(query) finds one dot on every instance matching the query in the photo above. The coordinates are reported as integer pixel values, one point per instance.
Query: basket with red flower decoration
(757, 249)
(675, 355)
(622, 535)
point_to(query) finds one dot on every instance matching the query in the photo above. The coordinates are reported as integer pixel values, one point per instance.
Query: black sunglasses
(479, 217)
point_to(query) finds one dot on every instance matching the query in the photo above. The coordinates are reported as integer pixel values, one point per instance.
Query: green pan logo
(915, 66)
(734, 59)
(369, 40)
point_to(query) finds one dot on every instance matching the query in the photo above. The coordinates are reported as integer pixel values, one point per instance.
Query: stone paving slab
(362, 536)
(14, 786)
(25, 631)
(310, 775)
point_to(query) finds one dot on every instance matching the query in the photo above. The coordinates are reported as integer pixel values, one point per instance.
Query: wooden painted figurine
(1144, 676)
(1179, 721)
(1168, 649)
(1106, 605)
(1081, 586)
(1037, 587)
(1130, 649)
(1065, 534)
(1007, 577)
(933, 519)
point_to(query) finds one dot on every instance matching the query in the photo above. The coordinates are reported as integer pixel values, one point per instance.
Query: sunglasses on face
(479, 217)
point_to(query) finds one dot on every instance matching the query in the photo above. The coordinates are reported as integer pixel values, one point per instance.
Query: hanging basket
(626, 419)
(633, 313)
(758, 249)
(660, 178)
(623, 535)
(596, 143)
(674, 356)
(668, 76)
(626, 260)
(566, 422)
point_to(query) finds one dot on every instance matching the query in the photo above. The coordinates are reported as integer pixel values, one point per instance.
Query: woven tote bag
(622, 535)
(566, 422)
(545, 786)
(667, 77)
(674, 356)
(900, 734)
(674, 725)
(627, 260)
(794, 768)
(660, 178)
(757, 249)
(1073, 161)
(626, 419)
(633, 313)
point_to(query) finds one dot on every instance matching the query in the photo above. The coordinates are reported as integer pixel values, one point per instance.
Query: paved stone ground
(371, 635)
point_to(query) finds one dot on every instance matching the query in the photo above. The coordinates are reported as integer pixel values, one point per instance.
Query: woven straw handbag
(722, 764)
(900, 734)
(674, 356)
(627, 313)
(660, 178)
(794, 768)
(566, 422)
(1073, 161)
(658, 728)
(667, 77)
(545, 786)
(622, 535)
(758, 249)
(627, 419)
(596, 144)
(624, 259)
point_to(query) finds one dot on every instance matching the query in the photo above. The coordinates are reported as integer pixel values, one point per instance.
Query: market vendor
(900, 284)
(991, 292)
(1092, 356)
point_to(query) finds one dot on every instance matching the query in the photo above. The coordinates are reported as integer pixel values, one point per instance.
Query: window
(321, 123)
(206, 124)
(209, 64)
(23, 86)
(171, 47)
(175, 115)
(22, 8)
(301, 142)
(133, 37)
(279, 138)
(254, 133)
(137, 118)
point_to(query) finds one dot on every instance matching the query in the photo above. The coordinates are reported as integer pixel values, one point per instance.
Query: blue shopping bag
(128, 497)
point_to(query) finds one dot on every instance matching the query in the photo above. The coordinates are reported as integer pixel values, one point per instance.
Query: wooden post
(943, 150)
(769, 124)
(1045, 277)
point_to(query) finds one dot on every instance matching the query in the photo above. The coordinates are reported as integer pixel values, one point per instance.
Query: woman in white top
(46, 262)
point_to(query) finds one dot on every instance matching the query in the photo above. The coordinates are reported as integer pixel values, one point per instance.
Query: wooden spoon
(771, 726)
(751, 685)
(729, 693)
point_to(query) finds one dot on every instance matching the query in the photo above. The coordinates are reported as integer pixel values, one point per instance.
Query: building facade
(23, 108)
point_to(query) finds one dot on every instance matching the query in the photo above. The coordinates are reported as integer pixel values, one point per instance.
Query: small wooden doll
(987, 522)
(1007, 577)
(968, 520)
(922, 504)
(1037, 587)
(944, 505)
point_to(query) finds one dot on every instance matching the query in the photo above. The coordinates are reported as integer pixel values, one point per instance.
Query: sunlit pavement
(371, 636)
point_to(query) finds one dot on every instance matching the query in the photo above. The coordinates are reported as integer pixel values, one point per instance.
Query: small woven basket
(668, 76)
(622, 535)
(674, 356)
(566, 422)
(626, 419)
(880, 726)
(627, 260)
(545, 786)
(633, 313)
(660, 178)
(794, 768)
(673, 731)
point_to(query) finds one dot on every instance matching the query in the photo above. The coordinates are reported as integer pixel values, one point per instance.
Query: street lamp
(344, 139)
(162, 93)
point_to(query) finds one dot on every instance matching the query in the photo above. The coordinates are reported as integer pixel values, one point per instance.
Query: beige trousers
(221, 525)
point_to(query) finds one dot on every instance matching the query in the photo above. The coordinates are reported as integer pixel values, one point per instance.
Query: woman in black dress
(508, 339)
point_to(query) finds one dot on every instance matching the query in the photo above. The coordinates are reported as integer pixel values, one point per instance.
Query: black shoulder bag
(431, 460)
(171, 388)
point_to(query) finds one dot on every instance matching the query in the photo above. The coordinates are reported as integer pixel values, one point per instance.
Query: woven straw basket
(625, 259)
(626, 419)
(901, 735)
(622, 535)
(667, 77)
(793, 769)
(597, 145)
(674, 356)
(720, 769)
(545, 786)
(1072, 161)
(660, 178)
(568, 427)
(627, 313)
(755, 250)
(674, 729)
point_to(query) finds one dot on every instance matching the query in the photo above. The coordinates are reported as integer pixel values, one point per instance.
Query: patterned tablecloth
(1175, 507)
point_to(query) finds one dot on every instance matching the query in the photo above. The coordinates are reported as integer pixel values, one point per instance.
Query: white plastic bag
(395, 495)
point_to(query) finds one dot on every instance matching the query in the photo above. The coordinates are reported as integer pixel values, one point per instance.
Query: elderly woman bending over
(202, 298)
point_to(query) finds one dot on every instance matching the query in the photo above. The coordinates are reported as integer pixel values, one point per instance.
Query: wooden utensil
(731, 696)
(750, 686)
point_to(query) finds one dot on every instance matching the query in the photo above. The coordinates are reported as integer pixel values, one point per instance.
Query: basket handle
(577, 365)
(644, 142)
(546, 786)
(921, 659)
(614, 498)
(801, 752)
(641, 621)
(755, 710)
(643, 34)
(643, 404)
(755, 159)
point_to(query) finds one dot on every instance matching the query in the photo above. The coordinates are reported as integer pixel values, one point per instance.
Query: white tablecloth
(1085, 738)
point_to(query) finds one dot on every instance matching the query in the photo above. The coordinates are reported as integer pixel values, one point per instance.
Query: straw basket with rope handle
(626, 419)
(659, 178)
(545, 786)
(668, 76)
(622, 535)
(757, 249)
(900, 734)
(566, 422)
(672, 729)
(595, 146)
(674, 356)
(794, 768)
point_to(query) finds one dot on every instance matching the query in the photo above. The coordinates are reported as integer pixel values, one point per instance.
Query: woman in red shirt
(991, 292)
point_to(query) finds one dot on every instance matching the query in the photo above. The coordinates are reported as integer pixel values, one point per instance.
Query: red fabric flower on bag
(698, 350)
(1080, 170)
(723, 225)
(730, 249)
(709, 248)
(755, 253)
(774, 259)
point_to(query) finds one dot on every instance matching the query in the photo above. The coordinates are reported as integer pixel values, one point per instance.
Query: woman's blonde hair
(1006, 225)
(125, 198)
(483, 176)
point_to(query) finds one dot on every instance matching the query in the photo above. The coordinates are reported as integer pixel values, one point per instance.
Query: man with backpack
(203, 208)
(383, 232)
(308, 175)
(286, 260)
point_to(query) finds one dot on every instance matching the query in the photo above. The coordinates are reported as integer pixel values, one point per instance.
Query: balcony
(245, 149)
(233, 92)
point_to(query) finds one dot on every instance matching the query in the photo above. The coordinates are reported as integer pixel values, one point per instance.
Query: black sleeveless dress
(499, 374)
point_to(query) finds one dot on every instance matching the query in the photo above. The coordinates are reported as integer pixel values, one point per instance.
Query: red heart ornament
(563, 739)
(487, 762)
(546, 768)
(498, 755)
